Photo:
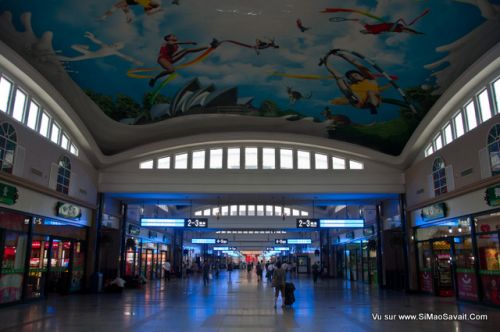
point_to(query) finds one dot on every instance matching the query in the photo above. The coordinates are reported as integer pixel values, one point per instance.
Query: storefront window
(494, 149)
(439, 177)
(425, 266)
(12, 268)
(465, 273)
(489, 266)
(456, 227)
(38, 267)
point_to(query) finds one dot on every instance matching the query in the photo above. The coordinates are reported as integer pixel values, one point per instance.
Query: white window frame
(286, 155)
(268, 158)
(59, 130)
(216, 161)
(356, 165)
(462, 124)
(30, 118)
(317, 162)
(177, 160)
(147, 164)
(198, 159)
(8, 97)
(16, 107)
(303, 159)
(448, 129)
(466, 112)
(488, 105)
(255, 165)
(232, 161)
(164, 162)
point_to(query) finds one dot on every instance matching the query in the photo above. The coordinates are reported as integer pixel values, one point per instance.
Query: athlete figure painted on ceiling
(359, 86)
(263, 44)
(170, 53)
(150, 7)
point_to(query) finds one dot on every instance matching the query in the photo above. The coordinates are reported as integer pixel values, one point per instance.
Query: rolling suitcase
(289, 293)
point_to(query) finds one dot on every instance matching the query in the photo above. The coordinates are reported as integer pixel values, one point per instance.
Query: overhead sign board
(432, 212)
(162, 222)
(224, 248)
(8, 194)
(280, 241)
(196, 223)
(493, 196)
(68, 211)
(307, 223)
(203, 241)
(341, 223)
(221, 241)
(299, 241)
(281, 249)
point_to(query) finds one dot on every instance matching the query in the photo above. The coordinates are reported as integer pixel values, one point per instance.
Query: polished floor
(241, 304)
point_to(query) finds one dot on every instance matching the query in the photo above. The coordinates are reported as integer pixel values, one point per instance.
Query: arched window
(63, 175)
(439, 177)
(8, 142)
(494, 149)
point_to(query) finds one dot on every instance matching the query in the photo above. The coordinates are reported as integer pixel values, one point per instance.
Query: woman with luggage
(279, 284)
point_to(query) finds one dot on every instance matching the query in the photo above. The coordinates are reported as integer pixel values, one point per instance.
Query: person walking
(258, 271)
(279, 284)
(206, 272)
(269, 273)
(167, 267)
(315, 271)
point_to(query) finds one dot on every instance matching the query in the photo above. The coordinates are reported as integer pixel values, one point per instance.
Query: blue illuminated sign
(281, 248)
(157, 222)
(221, 248)
(299, 241)
(203, 241)
(341, 223)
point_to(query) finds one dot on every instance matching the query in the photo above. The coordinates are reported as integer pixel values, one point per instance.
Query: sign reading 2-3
(307, 223)
(196, 223)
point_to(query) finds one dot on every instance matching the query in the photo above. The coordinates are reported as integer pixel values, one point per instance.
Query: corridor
(240, 303)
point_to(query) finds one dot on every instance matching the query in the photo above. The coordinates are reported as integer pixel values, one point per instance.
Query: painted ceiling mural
(364, 71)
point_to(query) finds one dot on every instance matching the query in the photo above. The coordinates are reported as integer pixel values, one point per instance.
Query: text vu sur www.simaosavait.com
(430, 316)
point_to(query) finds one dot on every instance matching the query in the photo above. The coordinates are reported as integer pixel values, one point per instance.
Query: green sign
(432, 212)
(8, 194)
(493, 196)
(134, 230)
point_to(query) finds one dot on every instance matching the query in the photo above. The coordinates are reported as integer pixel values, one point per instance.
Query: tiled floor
(241, 304)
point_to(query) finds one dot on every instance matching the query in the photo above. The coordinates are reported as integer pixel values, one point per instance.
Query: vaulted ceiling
(364, 71)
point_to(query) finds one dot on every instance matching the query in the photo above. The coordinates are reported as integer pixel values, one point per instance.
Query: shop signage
(432, 212)
(68, 211)
(307, 223)
(426, 281)
(368, 231)
(134, 230)
(492, 196)
(349, 235)
(8, 194)
(467, 285)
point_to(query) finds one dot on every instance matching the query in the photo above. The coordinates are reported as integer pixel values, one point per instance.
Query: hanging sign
(134, 230)
(68, 211)
(307, 223)
(492, 196)
(432, 212)
(196, 222)
(8, 194)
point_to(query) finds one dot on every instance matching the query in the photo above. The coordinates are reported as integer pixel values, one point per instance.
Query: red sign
(467, 286)
(426, 282)
(491, 287)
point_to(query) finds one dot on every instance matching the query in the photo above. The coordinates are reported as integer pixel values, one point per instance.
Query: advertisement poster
(426, 282)
(491, 287)
(467, 285)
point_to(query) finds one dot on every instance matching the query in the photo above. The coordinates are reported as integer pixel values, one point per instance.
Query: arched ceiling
(260, 72)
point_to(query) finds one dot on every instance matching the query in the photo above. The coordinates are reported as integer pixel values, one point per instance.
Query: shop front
(460, 257)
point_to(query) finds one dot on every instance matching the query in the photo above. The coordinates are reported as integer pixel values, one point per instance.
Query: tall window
(216, 158)
(268, 158)
(439, 177)
(198, 161)
(5, 90)
(8, 142)
(233, 158)
(251, 158)
(63, 175)
(494, 149)
(286, 159)
(303, 160)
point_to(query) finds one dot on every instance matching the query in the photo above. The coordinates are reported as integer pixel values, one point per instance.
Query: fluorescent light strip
(203, 241)
(299, 241)
(154, 222)
(281, 248)
(341, 223)
(221, 248)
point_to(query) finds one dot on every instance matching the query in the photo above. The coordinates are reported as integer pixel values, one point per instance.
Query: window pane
(303, 160)
(5, 87)
(206, 212)
(320, 161)
(277, 211)
(470, 111)
(429, 150)
(438, 142)
(459, 125)
(33, 115)
(54, 134)
(355, 165)
(243, 210)
(260, 210)
(286, 211)
(73, 149)
(251, 210)
(496, 91)
(198, 159)
(484, 105)
(164, 163)
(216, 211)
(181, 161)
(268, 158)
(304, 213)
(448, 134)
(64, 142)
(224, 210)
(216, 158)
(18, 109)
(251, 159)
(286, 159)
(338, 163)
(233, 210)
(148, 164)
(269, 210)
(295, 213)
(198, 213)
(233, 158)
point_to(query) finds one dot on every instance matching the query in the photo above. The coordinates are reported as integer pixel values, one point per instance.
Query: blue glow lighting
(155, 222)
(203, 241)
(221, 248)
(341, 223)
(299, 241)
(281, 248)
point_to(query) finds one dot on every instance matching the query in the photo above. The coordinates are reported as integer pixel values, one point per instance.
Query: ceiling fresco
(364, 71)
